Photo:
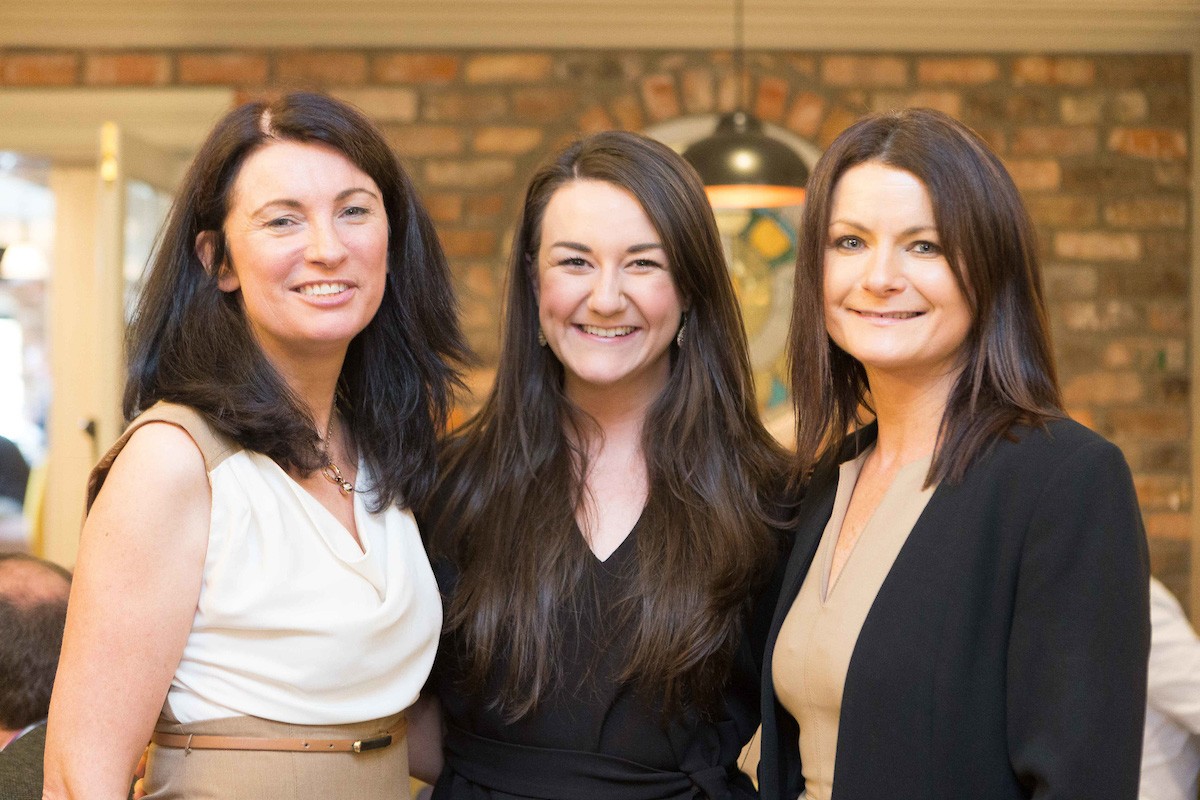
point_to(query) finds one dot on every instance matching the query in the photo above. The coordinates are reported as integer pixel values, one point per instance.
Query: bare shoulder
(158, 479)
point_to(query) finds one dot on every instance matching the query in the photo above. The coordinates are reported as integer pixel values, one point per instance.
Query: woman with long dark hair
(964, 614)
(606, 519)
(291, 363)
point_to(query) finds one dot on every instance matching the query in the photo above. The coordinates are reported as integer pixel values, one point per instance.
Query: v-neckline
(620, 545)
(307, 499)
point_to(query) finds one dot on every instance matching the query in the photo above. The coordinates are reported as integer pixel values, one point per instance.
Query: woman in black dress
(605, 521)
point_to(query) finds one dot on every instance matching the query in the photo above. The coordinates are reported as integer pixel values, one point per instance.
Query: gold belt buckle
(374, 743)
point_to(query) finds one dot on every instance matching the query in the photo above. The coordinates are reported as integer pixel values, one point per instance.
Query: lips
(607, 333)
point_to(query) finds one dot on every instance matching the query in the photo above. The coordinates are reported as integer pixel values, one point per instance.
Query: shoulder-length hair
(190, 343)
(1008, 374)
(513, 477)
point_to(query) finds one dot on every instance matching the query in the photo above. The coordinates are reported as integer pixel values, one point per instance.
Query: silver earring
(682, 328)
(541, 337)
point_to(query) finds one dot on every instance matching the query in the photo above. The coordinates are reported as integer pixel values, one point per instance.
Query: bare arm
(425, 738)
(133, 599)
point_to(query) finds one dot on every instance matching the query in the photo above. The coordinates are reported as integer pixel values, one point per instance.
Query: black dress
(594, 737)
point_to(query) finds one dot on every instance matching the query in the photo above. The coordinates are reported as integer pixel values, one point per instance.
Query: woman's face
(891, 297)
(607, 303)
(307, 238)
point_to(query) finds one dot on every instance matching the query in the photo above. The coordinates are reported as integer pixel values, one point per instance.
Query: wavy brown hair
(1008, 375)
(190, 342)
(513, 478)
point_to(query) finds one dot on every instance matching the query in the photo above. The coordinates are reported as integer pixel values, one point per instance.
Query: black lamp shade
(743, 167)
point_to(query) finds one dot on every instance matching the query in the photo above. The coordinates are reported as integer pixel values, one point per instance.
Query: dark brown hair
(190, 343)
(33, 611)
(513, 477)
(1008, 375)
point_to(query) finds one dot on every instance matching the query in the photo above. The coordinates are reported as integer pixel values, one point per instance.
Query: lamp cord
(739, 51)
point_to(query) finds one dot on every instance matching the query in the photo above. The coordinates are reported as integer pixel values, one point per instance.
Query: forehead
(283, 169)
(879, 190)
(592, 209)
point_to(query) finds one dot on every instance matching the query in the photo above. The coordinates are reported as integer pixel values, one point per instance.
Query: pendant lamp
(742, 166)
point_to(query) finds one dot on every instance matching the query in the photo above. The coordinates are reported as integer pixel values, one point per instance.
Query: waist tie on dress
(552, 774)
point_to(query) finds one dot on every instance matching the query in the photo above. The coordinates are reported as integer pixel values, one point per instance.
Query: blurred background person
(1171, 748)
(33, 610)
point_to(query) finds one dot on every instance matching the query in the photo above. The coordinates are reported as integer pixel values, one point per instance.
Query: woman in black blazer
(965, 610)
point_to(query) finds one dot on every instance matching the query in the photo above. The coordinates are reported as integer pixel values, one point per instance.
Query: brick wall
(1098, 145)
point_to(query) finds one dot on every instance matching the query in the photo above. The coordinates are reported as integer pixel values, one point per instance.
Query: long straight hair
(514, 479)
(190, 342)
(1008, 375)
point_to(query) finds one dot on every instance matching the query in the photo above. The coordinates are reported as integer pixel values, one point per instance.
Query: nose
(607, 296)
(883, 272)
(325, 245)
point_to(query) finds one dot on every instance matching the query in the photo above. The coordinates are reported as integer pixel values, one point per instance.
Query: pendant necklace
(330, 470)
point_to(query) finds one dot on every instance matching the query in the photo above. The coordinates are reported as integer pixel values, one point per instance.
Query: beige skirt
(174, 773)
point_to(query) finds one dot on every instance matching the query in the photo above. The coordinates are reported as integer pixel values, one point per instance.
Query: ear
(206, 249)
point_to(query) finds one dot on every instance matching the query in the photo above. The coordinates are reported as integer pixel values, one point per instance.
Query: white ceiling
(928, 25)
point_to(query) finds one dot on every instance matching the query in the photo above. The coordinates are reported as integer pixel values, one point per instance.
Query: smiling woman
(291, 364)
(604, 524)
(965, 607)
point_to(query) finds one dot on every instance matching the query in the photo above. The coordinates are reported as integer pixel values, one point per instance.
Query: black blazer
(1005, 654)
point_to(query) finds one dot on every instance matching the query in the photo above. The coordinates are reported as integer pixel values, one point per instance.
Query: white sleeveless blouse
(295, 623)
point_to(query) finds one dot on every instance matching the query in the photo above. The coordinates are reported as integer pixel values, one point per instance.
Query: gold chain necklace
(330, 470)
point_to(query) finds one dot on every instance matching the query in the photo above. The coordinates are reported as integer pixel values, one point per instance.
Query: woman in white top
(293, 350)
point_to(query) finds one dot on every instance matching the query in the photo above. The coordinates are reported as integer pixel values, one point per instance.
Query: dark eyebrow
(287, 202)
(906, 232)
(637, 248)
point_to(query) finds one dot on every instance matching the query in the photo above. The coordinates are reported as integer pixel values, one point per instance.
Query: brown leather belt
(196, 741)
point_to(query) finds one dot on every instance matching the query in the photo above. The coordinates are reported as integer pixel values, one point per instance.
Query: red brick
(469, 173)
(1157, 143)
(660, 97)
(1063, 210)
(1055, 141)
(1172, 174)
(126, 69)
(228, 68)
(1054, 71)
(806, 114)
(444, 206)
(486, 206)
(595, 119)
(472, 106)
(1130, 106)
(412, 141)
(947, 102)
(321, 67)
(836, 121)
(1163, 423)
(1084, 109)
(508, 68)
(480, 280)
(771, 99)
(1097, 246)
(1095, 317)
(1160, 492)
(1070, 282)
(697, 90)
(419, 68)
(1147, 212)
(1168, 316)
(628, 113)
(382, 104)
(728, 95)
(507, 140)
(1034, 174)
(1083, 416)
(958, 71)
(1176, 525)
(1103, 388)
(865, 71)
(544, 103)
(467, 243)
(41, 69)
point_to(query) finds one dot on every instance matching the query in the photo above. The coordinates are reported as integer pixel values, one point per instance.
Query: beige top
(812, 654)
